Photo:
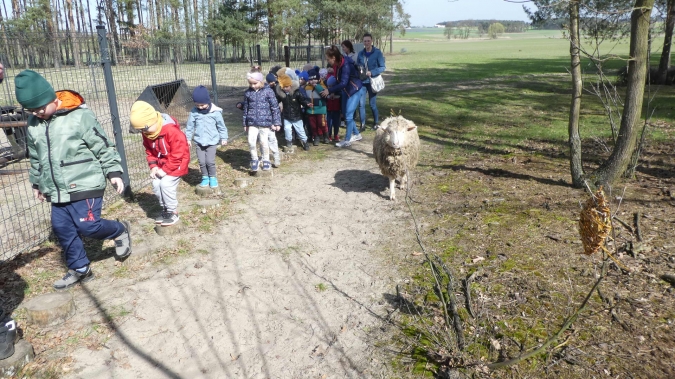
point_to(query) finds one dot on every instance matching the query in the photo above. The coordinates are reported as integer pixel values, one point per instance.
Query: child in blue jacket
(206, 126)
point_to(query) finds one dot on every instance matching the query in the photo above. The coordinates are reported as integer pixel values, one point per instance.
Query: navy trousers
(79, 218)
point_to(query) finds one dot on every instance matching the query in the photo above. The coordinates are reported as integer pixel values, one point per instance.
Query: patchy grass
(493, 191)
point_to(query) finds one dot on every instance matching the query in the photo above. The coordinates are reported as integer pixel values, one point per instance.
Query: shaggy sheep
(396, 148)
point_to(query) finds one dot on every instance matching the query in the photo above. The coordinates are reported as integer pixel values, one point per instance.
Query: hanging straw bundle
(595, 223)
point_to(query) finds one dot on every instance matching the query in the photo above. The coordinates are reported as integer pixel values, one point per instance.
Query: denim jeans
(333, 123)
(372, 99)
(299, 128)
(72, 220)
(352, 104)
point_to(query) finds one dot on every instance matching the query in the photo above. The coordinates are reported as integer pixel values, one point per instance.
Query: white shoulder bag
(376, 83)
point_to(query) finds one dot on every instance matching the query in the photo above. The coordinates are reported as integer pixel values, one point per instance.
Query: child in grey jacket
(206, 126)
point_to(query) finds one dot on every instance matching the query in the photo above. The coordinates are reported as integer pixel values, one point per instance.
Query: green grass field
(494, 195)
(513, 88)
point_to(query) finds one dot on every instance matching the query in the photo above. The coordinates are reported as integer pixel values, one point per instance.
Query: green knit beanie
(32, 90)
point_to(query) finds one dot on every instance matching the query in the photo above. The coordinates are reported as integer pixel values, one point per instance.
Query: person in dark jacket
(348, 86)
(261, 117)
(291, 99)
(168, 155)
(373, 60)
(70, 158)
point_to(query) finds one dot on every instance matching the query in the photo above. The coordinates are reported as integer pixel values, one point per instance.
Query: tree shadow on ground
(498, 172)
(361, 181)
(193, 177)
(238, 159)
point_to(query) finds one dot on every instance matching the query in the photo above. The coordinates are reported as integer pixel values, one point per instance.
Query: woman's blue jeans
(352, 104)
(372, 99)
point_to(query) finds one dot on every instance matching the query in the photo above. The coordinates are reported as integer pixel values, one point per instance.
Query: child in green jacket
(316, 115)
(70, 159)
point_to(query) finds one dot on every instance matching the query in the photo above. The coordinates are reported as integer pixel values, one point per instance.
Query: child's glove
(223, 142)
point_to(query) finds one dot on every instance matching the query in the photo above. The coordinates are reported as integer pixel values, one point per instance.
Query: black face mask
(204, 111)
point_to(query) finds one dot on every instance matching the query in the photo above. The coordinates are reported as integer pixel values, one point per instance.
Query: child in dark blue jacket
(261, 117)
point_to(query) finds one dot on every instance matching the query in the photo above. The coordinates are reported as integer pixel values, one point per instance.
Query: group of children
(294, 96)
(71, 155)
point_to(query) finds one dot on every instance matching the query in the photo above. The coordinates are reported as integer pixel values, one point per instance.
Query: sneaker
(343, 144)
(289, 144)
(161, 217)
(205, 181)
(7, 338)
(213, 182)
(362, 128)
(123, 241)
(336, 139)
(324, 139)
(254, 164)
(305, 145)
(73, 277)
(342, 124)
(171, 219)
(316, 141)
(357, 137)
(376, 126)
(330, 139)
(266, 166)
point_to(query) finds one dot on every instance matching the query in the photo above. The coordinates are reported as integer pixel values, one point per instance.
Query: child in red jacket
(168, 154)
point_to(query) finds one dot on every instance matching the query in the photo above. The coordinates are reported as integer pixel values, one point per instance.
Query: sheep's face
(396, 133)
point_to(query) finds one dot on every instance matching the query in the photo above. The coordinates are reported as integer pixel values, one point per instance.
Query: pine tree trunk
(197, 29)
(53, 36)
(73, 37)
(188, 28)
(664, 63)
(576, 168)
(612, 169)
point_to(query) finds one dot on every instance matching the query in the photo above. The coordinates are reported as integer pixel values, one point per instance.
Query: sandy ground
(291, 286)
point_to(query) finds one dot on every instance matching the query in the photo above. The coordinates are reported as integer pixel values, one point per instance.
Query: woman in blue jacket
(349, 85)
(373, 59)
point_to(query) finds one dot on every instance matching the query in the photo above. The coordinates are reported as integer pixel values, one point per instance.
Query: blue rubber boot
(205, 181)
(213, 182)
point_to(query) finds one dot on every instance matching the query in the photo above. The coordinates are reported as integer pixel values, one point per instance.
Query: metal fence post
(175, 68)
(323, 55)
(212, 63)
(257, 51)
(287, 55)
(112, 103)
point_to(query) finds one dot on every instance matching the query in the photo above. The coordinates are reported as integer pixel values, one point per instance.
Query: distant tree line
(482, 26)
(55, 32)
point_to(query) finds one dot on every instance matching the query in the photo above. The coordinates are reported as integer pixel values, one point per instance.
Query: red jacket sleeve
(179, 152)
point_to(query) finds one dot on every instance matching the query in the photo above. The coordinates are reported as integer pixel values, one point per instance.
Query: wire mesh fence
(162, 72)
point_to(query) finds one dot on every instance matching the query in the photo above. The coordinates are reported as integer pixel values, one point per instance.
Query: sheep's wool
(395, 163)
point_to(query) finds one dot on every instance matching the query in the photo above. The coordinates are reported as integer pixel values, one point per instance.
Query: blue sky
(430, 12)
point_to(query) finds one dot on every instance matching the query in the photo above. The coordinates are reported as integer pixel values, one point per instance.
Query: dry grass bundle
(595, 223)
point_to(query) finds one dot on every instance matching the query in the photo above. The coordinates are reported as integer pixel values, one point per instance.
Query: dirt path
(291, 286)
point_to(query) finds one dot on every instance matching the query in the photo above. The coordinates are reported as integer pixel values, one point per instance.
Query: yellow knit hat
(285, 80)
(143, 114)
